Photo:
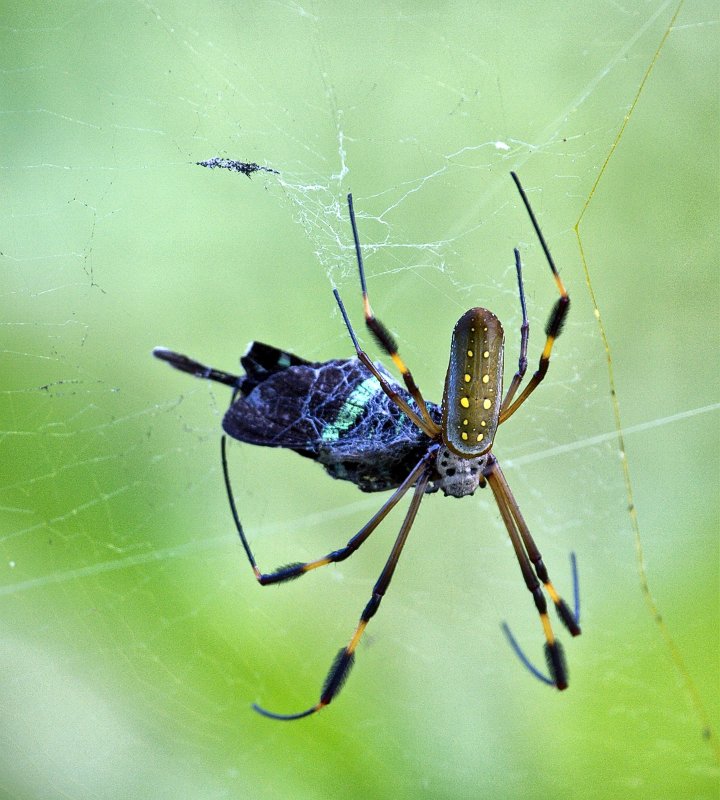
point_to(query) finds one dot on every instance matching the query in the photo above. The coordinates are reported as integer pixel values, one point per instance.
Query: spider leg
(524, 660)
(555, 322)
(566, 615)
(344, 660)
(291, 571)
(520, 653)
(382, 380)
(528, 557)
(382, 335)
(524, 337)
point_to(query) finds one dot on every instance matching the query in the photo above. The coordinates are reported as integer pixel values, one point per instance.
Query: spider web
(135, 636)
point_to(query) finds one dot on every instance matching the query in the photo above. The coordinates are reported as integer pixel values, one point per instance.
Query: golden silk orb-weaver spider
(352, 417)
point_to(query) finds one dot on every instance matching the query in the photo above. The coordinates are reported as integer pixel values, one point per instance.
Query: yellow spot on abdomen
(486, 354)
(485, 378)
(464, 402)
(486, 404)
(464, 436)
(467, 378)
(480, 437)
(470, 353)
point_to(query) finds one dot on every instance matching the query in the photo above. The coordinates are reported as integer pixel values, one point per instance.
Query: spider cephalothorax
(457, 476)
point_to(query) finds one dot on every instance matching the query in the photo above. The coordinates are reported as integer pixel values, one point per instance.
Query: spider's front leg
(297, 570)
(344, 660)
(534, 572)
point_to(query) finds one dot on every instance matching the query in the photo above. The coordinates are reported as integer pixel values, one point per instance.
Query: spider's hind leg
(383, 336)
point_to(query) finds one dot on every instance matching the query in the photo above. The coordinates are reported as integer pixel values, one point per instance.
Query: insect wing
(372, 443)
(296, 406)
(262, 360)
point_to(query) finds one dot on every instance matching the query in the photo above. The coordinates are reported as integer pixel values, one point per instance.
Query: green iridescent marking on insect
(351, 409)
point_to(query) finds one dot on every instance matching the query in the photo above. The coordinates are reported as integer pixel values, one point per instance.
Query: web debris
(245, 167)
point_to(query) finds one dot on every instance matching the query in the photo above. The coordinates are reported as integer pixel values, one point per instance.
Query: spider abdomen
(473, 385)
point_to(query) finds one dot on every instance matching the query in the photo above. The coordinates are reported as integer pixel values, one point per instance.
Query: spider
(352, 417)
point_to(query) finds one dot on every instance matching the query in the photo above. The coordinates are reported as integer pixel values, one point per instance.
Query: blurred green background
(134, 636)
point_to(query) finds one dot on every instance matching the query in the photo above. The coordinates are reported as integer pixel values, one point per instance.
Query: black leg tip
(285, 717)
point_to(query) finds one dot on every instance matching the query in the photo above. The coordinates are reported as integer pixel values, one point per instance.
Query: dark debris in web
(245, 167)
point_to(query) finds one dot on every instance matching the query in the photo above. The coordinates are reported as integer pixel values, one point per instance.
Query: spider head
(457, 476)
